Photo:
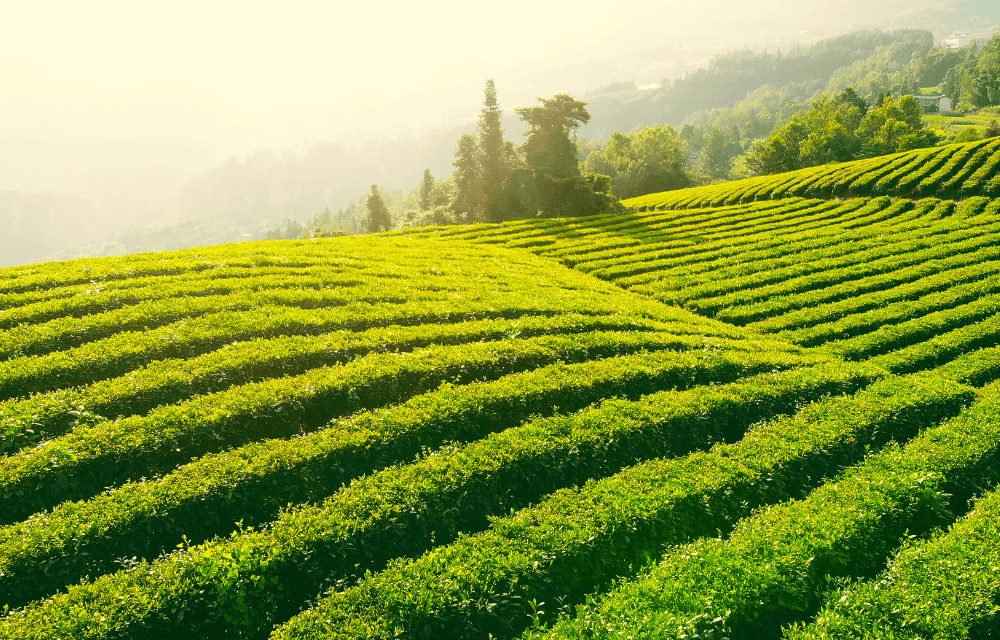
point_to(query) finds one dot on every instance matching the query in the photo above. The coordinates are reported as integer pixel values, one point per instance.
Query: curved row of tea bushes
(574, 540)
(945, 587)
(813, 221)
(780, 250)
(893, 337)
(81, 301)
(333, 255)
(793, 260)
(823, 274)
(93, 457)
(984, 280)
(921, 172)
(786, 251)
(124, 352)
(52, 550)
(831, 181)
(775, 564)
(941, 348)
(28, 421)
(845, 257)
(931, 181)
(249, 563)
(70, 331)
(952, 187)
(802, 310)
(653, 259)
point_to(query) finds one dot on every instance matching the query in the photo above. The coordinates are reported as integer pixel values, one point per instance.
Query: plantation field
(953, 171)
(771, 414)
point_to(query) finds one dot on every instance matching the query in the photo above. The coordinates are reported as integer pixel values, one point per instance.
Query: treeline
(730, 77)
(841, 129)
(862, 110)
(842, 98)
(494, 180)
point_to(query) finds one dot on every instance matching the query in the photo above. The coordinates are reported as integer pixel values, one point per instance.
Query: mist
(114, 116)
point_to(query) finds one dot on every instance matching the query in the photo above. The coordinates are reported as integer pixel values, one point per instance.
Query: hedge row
(826, 273)
(719, 251)
(712, 254)
(810, 308)
(985, 281)
(900, 174)
(942, 348)
(945, 587)
(775, 565)
(205, 497)
(654, 233)
(575, 540)
(892, 337)
(307, 544)
(789, 260)
(79, 301)
(127, 351)
(93, 457)
(414, 286)
(834, 258)
(28, 421)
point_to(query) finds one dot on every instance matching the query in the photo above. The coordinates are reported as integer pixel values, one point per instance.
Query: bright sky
(121, 102)
(196, 72)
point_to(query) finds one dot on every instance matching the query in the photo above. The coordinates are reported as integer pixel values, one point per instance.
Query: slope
(435, 433)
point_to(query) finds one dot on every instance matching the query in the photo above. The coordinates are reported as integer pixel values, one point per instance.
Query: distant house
(932, 104)
(959, 40)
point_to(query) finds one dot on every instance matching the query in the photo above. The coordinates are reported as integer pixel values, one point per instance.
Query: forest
(843, 98)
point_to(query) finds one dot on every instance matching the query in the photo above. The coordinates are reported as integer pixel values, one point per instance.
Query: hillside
(740, 410)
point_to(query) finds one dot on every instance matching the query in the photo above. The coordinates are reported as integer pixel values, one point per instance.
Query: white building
(934, 103)
(959, 40)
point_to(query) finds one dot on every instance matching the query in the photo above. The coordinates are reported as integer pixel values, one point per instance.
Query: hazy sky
(121, 102)
(224, 74)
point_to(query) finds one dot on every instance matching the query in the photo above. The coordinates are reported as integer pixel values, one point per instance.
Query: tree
(378, 218)
(426, 191)
(494, 170)
(840, 129)
(557, 187)
(467, 186)
(896, 125)
(719, 148)
(648, 160)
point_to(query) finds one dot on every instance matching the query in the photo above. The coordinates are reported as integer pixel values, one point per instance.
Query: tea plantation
(762, 409)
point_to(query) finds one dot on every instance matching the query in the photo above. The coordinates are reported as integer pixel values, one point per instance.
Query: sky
(123, 99)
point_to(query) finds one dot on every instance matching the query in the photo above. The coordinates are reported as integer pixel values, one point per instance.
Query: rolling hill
(743, 410)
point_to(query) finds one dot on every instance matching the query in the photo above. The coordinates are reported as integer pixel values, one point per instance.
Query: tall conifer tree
(379, 218)
(494, 171)
(426, 190)
(467, 183)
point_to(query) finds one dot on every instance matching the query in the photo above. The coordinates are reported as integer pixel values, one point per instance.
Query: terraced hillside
(764, 418)
(953, 171)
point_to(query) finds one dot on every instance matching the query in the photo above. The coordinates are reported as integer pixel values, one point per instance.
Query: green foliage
(943, 587)
(460, 430)
(378, 217)
(567, 544)
(839, 130)
(556, 186)
(773, 563)
(650, 159)
(426, 191)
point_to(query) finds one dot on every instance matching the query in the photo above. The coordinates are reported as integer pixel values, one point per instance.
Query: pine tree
(494, 171)
(467, 185)
(378, 213)
(559, 188)
(426, 191)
